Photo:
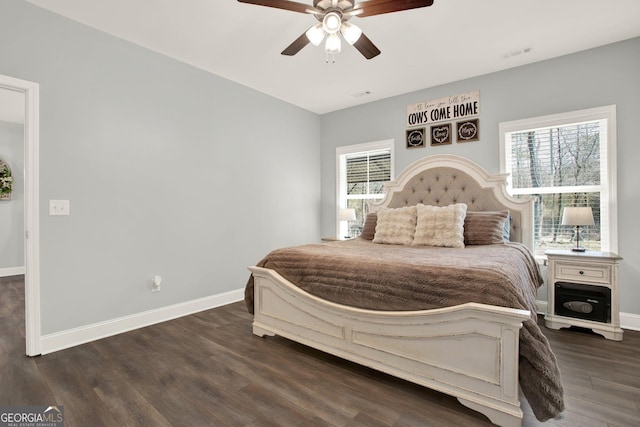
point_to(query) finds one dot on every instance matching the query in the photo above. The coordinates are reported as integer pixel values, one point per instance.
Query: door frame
(31, 93)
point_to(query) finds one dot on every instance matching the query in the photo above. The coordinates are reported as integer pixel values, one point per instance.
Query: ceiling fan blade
(379, 7)
(297, 45)
(366, 47)
(283, 4)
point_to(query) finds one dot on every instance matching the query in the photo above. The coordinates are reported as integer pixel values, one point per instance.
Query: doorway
(28, 95)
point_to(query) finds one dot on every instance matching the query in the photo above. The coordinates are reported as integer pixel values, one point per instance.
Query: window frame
(342, 152)
(607, 113)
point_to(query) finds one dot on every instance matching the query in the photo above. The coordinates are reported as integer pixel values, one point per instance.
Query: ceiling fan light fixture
(332, 22)
(316, 34)
(333, 16)
(333, 44)
(350, 32)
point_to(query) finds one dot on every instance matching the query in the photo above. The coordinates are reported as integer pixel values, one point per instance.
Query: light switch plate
(58, 207)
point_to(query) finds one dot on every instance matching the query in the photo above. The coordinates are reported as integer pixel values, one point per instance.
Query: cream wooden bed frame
(469, 351)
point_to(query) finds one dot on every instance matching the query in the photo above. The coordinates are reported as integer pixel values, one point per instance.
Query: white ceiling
(421, 48)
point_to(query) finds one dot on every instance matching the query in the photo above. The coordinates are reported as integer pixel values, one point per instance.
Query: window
(363, 170)
(565, 160)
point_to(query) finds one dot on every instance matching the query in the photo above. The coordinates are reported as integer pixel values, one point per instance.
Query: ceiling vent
(361, 94)
(516, 52)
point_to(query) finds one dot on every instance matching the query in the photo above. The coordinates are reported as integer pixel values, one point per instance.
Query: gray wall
(598, 77)
(169, 170)
(12, 211)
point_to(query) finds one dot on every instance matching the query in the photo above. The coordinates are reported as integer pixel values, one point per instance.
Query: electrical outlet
(155, 285)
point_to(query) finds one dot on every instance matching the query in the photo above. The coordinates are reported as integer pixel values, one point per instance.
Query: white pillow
(440, 226)
(396, 226)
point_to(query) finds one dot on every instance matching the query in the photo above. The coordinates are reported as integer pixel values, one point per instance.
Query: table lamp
(577, 216)
(347, 214)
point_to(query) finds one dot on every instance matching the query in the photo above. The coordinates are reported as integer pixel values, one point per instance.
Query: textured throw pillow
(396, 226)
(369, 228)
(440, 225)
(486, 227)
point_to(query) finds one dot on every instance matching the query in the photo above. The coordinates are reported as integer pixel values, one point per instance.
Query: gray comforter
(392, 277)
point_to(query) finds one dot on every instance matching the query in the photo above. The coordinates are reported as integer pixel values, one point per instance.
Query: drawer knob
(581, 272)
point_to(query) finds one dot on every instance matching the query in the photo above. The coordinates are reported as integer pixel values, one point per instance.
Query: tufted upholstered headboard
(441, 180)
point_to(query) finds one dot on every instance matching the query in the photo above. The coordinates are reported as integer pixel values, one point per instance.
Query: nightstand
(582, 290)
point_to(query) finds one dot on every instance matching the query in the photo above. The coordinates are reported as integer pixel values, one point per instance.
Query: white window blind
(367, 173)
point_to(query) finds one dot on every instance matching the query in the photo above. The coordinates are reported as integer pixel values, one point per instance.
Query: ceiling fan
(334, 16)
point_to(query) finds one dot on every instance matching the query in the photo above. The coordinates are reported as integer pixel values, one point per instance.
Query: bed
(440, 316)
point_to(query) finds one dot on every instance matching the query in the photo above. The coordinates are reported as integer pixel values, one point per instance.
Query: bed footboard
(430, 347)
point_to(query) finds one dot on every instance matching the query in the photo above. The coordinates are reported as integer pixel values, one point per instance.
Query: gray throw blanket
(362, 274)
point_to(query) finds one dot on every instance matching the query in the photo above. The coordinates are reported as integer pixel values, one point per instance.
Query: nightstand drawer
(592, 274)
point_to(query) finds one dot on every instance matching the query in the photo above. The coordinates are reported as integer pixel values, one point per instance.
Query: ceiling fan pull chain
(332, 56)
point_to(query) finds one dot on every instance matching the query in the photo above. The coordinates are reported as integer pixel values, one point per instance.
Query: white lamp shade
(577, 216)
(333, 44)
(315, 34)
(350, 32)
(347, 214)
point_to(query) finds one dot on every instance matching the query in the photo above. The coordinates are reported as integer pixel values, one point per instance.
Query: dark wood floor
(209, 370)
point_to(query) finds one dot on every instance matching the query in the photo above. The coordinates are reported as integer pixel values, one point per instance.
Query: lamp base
(578, 249)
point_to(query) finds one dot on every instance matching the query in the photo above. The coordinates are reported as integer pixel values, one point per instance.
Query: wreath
(6, 180)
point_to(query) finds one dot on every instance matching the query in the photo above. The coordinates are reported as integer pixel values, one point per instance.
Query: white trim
(383, 144)
(11, 271)
(31, 93)
(612, 170)
(542, 307)
(84, 334)
(629, 321)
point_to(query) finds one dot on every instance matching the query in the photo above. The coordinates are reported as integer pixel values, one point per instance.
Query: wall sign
(441, 134)
(415, 137)
(444, 109)
(468, 130)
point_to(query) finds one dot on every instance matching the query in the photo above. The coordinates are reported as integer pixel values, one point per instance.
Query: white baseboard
(542, 307)
(84, 334)
(627, 320)
(630, 321)
(12, 271)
